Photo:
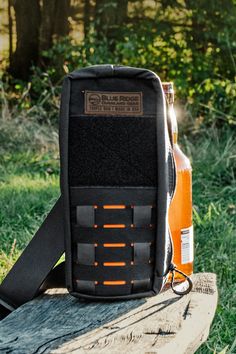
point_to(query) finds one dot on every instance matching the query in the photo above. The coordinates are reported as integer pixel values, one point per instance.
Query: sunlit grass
(213, 154)
(29, 184)
(26, 199)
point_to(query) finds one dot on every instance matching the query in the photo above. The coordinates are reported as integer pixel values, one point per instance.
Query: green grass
(29, 185)
(213, 154)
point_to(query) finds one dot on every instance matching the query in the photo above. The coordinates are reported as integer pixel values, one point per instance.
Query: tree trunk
(46, 31)
(110, 16)
(55, 15)
(27, 32)
(61, 26)
(86, 18)
(10, 31)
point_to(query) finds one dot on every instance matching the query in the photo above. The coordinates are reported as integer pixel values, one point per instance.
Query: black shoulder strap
(33, 273)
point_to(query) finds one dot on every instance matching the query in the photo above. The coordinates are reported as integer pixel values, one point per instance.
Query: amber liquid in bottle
(180, 211)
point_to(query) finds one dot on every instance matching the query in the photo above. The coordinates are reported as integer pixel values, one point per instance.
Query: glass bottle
(180, 211)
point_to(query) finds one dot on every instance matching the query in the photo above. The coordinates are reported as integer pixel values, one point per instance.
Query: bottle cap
(168, 88)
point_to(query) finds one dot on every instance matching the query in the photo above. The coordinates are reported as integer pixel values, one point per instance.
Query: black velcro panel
(142, 285)
(114, 153)
(85, 215)
(85, 286)
(142, 253)
(113, 216)
(142, 215)
(85, 254)
(100, 236)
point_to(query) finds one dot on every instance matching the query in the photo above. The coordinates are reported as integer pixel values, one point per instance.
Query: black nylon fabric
(126, 235)
(120, 290)
(100, 273)
(85, 286)
(87, 216)
(32, 273)
(123, 254)
(116, 160)
(111, 195)
(38, 259)
(140, 286)
(101, 254)
(111, 216)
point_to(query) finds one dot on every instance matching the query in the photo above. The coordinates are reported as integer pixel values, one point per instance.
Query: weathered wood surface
(58, 323)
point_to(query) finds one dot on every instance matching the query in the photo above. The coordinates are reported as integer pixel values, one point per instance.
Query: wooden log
(58, 323)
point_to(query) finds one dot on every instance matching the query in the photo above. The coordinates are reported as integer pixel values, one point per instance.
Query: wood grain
(58, 323)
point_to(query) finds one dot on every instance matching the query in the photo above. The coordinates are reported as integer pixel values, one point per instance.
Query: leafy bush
(207, 96)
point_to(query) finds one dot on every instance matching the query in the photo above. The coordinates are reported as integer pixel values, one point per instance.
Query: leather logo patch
(113, 103)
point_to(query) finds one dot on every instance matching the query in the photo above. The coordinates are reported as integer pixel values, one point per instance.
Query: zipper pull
(173, 270)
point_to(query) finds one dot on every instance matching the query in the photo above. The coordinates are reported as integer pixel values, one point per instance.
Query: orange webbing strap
(114, 206)
(114, 226)
(114, 245)
(114, 264)
(114, 282)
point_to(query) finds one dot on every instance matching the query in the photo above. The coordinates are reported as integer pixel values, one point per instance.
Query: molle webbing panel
(114, 193)
(113, 243)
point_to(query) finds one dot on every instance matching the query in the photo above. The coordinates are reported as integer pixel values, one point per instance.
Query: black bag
(117, 181)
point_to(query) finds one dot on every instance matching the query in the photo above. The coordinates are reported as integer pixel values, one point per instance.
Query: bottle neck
(175, 138)
(173, 122)
(168, 88)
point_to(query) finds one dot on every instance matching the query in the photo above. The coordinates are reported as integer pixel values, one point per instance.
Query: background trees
(54, 22)
(27, 33)
(36, 26)
(190, 42)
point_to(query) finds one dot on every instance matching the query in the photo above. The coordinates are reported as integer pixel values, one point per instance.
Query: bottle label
(187, 245)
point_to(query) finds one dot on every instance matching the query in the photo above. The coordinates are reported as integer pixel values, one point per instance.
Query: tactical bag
(117, 181)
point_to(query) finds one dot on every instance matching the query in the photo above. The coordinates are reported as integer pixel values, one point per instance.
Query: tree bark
(61, 26)
(10, 32)
(46, 30)
(27, 32)
(55, 15)
(110, 16)
(86, 18)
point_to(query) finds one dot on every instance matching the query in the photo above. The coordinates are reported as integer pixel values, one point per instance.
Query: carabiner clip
(174, 269)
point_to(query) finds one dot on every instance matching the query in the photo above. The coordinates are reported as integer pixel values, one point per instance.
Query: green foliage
(214, 175)
(37, 100)
(191, 43)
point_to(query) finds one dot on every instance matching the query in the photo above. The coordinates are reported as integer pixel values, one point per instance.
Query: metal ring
(190, 283)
